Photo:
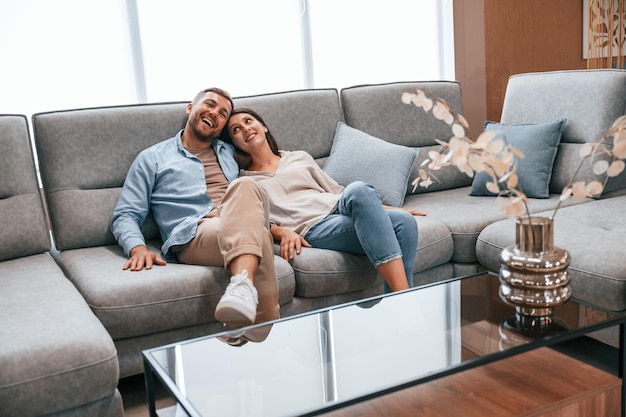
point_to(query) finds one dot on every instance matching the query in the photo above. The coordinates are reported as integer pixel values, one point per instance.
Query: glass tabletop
(321, 360)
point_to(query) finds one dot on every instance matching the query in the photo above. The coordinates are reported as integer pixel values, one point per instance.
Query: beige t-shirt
(216, 182)
(300, 192)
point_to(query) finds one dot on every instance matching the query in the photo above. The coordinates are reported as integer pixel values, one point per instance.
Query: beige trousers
(239, 227)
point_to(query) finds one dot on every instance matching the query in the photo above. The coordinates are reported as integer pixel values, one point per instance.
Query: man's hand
(290, 242)
(140, 257)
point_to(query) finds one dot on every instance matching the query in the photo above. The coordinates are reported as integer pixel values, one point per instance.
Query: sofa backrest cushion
(84, 156)
(299, 120)
(590, 100)
(379, 111)
(23, 225)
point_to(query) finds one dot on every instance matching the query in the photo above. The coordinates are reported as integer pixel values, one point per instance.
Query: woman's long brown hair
(244, 160)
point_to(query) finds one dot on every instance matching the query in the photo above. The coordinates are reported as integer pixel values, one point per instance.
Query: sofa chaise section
(56, 357)
(592, 231)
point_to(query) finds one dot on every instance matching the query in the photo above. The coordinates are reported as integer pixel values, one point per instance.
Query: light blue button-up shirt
(169, 181)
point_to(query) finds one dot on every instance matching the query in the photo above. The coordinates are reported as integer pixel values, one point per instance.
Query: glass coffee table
(324, 360)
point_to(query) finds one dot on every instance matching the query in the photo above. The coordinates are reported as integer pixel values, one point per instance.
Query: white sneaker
(235, 339)
(238, 304)
(239, 338)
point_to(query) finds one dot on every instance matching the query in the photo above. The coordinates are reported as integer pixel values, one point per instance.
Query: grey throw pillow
(539, 144)
(356, 155)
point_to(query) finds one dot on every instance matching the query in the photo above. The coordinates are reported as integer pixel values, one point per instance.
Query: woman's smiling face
(246, 131)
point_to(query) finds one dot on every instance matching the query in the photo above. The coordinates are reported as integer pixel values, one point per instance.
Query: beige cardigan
(300, 192)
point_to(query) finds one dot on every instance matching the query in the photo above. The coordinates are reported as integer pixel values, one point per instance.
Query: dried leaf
(567, 192)
(492, 187)
(505, 177)
(434, 155)
(485, 138)
(502, 203)
(619, 145)
(441, 112)
(428, 104)
(579, 191)
(600, 167)
(495, 146)
(475, 161)
(594, 188)
(508, 158)
(499, 167)
(516, 208)
(585, 150)
(616, 168)
(458, 130)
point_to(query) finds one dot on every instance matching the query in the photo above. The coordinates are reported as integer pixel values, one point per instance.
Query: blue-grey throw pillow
(539, 144)
(358, 156)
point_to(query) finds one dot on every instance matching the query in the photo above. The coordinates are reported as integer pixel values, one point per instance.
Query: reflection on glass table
(323, 360)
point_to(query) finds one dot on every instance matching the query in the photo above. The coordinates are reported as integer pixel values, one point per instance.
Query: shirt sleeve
(133, 204)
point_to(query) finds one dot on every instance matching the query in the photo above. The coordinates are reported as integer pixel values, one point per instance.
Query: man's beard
(202, 136)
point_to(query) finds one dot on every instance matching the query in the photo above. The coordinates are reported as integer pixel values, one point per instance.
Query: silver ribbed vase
(533, 273)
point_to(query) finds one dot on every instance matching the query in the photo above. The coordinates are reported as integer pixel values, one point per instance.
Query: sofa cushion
(84, 157)
(379, 111)
(23, 228)
(167, 297)
(435, 244)
(598, 271)
(322, 272)
(55, 354)
(590, 100)
(358, 156)
(539, 144)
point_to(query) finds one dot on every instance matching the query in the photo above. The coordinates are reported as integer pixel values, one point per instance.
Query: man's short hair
(217, 91)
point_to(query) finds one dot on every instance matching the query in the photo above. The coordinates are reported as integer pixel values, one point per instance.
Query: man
(206, 215)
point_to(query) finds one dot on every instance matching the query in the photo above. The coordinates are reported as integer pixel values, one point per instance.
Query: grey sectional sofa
(84, 154)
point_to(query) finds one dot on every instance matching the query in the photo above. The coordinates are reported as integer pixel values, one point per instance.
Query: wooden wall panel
(528, 36)
(469, 57)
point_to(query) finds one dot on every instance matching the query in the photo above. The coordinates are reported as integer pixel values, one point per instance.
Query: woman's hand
(413, 212)
(291, 243)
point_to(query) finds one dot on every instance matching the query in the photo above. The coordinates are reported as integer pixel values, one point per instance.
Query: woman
(308, 208)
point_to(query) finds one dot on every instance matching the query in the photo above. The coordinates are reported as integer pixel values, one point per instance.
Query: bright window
(357, 42)
(75, 53)
(63, 54)
(244, 46)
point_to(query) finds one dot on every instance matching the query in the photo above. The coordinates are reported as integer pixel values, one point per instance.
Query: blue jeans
(362, 226)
